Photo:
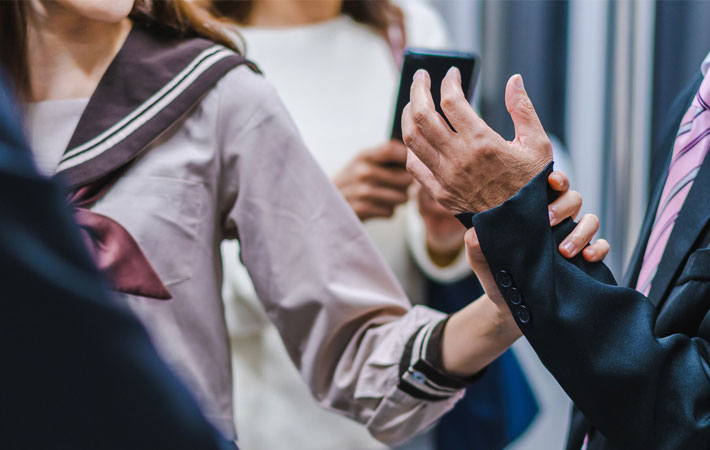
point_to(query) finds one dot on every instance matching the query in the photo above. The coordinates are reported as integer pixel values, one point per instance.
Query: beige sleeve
(346, 323)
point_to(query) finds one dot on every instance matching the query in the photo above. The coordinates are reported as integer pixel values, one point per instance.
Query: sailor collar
(154, 80)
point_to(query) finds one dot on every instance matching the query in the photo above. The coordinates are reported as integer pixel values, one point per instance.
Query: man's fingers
(597, 251)
(424, 176)
(414, 140)
(420, 115)
(454, 102)
(417, 143)
(528, 129)
(421, 173)
(580, 236)
(566, 205)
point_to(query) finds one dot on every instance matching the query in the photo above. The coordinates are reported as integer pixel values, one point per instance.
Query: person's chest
(338, 83)
(168, 201)
(49, 127)
(680, 289)
(166, 198)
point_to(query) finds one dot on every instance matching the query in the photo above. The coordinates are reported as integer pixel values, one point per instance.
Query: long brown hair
(13, 42)
(183, 16)
(379, 14)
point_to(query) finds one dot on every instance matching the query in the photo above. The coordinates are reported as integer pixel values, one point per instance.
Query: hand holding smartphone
(437, 63)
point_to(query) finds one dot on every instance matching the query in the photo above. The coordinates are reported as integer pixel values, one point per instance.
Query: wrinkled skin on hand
(473, 168)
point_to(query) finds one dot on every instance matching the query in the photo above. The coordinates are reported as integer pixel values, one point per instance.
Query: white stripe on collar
(129, 124)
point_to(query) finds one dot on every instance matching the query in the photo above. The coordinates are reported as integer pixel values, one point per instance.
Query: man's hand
(567, 204)
(472, 169)
(444, 233)
(481, 331)
(375, 182)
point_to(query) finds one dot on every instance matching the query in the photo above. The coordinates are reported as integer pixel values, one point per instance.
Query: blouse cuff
(416, 241)
(421, 369)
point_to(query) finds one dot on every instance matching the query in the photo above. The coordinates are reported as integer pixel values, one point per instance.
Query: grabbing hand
(568, 204)
(473, 168)
(375, 182)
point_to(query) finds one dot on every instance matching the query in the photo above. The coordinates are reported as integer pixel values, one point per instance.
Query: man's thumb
(528, 129)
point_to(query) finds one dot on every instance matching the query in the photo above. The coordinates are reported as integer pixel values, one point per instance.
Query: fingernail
(568, 247)
(455, 72)
(589, 252)
(552, 216)
(419, 74)
(519, 82)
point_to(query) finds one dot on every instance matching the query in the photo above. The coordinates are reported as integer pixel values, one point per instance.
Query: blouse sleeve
(361, 347)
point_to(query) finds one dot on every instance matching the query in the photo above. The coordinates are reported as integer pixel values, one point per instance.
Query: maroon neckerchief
(154, 80)
(112, 247)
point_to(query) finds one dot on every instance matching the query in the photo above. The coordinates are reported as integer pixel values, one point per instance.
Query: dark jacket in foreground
(78, 372)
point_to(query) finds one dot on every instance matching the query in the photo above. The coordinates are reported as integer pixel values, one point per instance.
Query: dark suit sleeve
(596, 338)
(78, 371)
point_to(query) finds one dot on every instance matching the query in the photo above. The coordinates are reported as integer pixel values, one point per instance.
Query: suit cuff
(513, 223)
(421, 368)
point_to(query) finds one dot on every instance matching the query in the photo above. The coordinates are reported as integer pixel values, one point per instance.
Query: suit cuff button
(514, 297)
(523, 314)
(504, 279)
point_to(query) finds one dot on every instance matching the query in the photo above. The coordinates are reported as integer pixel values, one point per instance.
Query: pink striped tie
(691, 146)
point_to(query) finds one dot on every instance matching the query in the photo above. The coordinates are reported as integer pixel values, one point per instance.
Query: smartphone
(437, 63)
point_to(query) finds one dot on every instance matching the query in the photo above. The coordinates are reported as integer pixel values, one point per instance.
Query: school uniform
(183, 145)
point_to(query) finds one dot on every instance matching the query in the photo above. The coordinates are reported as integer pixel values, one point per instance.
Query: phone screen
(437, 63)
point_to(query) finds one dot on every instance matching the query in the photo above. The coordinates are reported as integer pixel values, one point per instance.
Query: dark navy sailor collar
(154, 80)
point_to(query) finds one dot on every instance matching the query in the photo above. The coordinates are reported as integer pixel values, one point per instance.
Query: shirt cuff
(421, 368)
(416, 242)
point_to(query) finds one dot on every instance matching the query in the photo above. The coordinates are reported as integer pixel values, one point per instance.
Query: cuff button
(523, 314)
(514, 296)
(504, 279)
(419, 377)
